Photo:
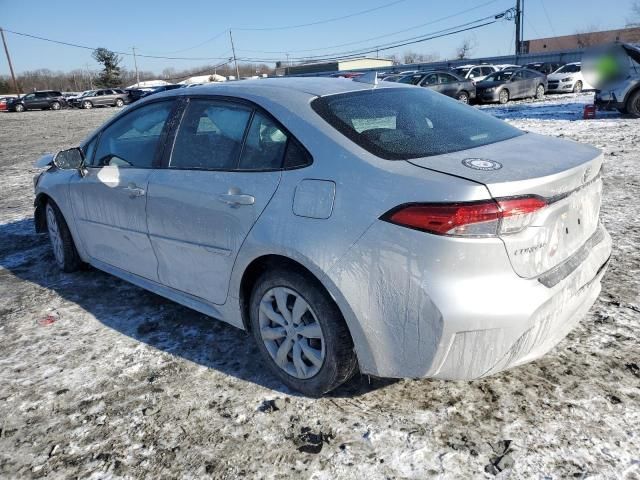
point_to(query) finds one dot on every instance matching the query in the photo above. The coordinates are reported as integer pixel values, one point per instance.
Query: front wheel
(503, 97)
(119, 103)
(19, 108)
(633, 104)
(301, 333)
(463, 97)
(64, 250)
(577, 88)
(540, 92)
(87, 105)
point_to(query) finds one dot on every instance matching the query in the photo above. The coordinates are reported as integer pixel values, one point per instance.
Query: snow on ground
(100, 379)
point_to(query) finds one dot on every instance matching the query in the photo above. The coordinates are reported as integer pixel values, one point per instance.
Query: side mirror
(71, 159)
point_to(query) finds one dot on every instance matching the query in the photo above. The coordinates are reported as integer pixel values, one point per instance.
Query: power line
(320, 22)
(553, 30)
(211, 39)
(390, 34)
(407, 41)
(128, 54)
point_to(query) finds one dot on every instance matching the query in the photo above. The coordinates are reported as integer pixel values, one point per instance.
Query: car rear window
(406, 123)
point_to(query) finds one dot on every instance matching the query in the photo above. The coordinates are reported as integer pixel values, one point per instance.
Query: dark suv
(113, 97)
(44, 100)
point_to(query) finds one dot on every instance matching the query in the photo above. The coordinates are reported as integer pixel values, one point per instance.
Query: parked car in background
(136, 94)
(543, 67)
(259, 203)
(511, 84)
(623, 94)
(42, 100)
(3, 102)
(162, 88)
(506, 66)
(567, 79)
(475, 73)
(447, 83)
(112, 97)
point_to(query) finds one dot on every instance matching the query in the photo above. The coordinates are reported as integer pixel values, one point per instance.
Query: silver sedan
(348, 225)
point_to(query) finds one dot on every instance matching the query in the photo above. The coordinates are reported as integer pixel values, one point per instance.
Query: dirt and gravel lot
(100, 379)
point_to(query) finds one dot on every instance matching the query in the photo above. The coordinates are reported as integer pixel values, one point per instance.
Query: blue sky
(176, 28)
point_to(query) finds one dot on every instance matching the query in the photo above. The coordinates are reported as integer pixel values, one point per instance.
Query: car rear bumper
(453, 308)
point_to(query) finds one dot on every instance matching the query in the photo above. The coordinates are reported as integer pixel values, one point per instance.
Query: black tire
(463, 97)
(503, 96)
(577, 88)
(340, 361)
(633, 104)
(20, 108)
(87, 105)
(119, 103)
(55, 105)
(540, 92)
(66, 256)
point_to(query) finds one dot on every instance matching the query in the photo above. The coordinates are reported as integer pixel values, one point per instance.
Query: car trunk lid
(565, 173)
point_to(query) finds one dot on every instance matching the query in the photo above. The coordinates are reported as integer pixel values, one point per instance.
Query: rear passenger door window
(210, 136)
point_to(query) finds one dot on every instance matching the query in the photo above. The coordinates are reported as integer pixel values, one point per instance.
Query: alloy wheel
(463, 97)
(291, 333)
(87, 105)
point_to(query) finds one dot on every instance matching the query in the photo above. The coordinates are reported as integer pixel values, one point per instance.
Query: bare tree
(634, 21)
(414, 57)
(465, 49)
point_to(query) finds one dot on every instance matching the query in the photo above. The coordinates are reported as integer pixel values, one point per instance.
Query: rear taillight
(475, 219)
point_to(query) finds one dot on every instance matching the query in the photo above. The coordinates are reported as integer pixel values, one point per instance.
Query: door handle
(236, 199)
(134, 191)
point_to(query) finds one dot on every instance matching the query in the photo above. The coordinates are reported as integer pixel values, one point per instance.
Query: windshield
(405, 123)
(568, 69)
(88, 93)
(502, 76)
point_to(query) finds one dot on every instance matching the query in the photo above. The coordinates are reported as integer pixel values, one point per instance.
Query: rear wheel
(64, 250)
(540, 92)
(87, 105)
(300, 332)
(19, 108)
(463, 97)
(577, 88)
(633, 104)
(503, 96)
(55, 105)
(119, 102)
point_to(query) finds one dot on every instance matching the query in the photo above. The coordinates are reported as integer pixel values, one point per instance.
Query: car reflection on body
(349, 226)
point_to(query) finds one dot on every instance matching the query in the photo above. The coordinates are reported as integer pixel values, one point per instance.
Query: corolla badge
(481, 164)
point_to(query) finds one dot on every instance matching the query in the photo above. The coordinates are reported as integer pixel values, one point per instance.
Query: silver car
(349, 226)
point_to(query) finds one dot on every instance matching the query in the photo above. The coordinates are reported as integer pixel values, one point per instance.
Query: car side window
(445, 78)
(210, 136)
(264, 145)
(133, 140)
(30, 96)
(431, 79)
(487, 70)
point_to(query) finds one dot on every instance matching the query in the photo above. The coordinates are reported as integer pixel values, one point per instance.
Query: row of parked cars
(498, 83)
(55, 100)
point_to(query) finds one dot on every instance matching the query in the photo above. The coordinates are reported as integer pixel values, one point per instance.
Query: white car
(568, 78)
(349, 226)
(475, 73)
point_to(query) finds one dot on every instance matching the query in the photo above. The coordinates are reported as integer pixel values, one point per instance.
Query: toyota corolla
(348, 225)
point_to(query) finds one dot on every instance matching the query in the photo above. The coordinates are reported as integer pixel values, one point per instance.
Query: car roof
(267, 87)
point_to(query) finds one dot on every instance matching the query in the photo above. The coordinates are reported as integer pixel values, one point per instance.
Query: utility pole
(233, 49)
(518, 19)
(135, 62)
(6, 50)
